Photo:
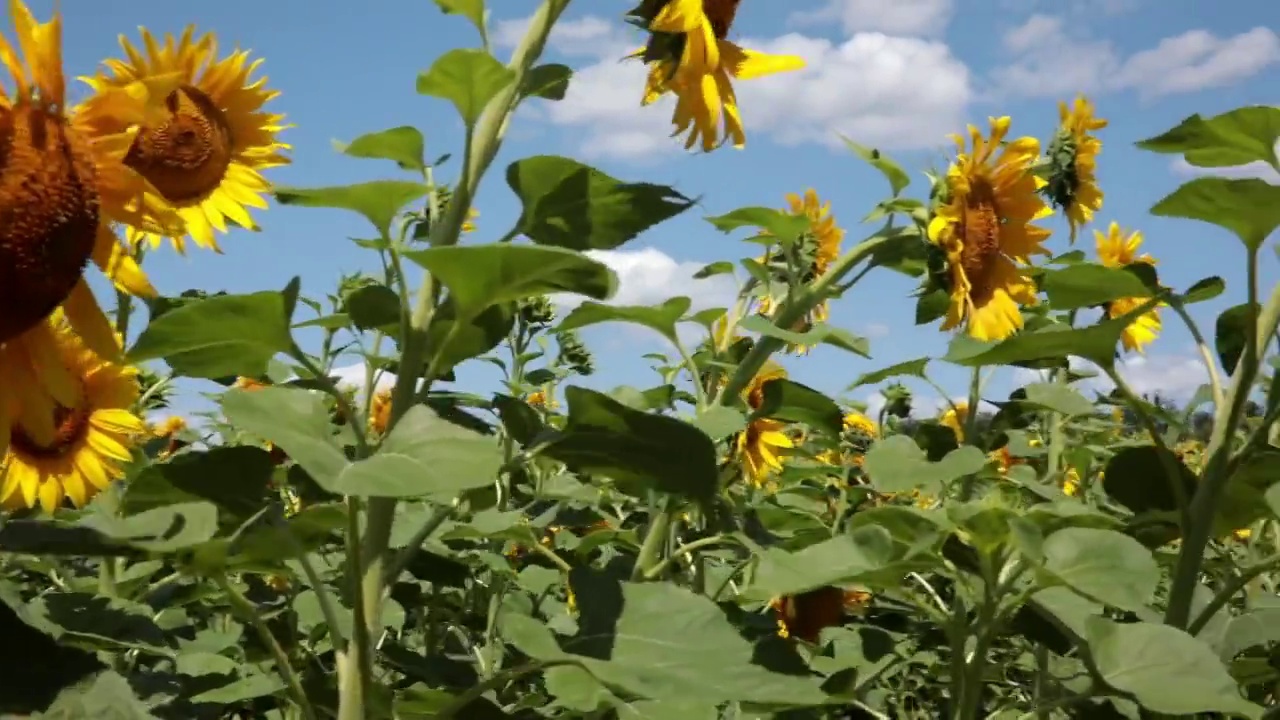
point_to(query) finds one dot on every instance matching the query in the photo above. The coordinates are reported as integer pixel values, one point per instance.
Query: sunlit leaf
(1103, 565)
(1237, 137)
(468, 78)
(897, 464)
(662, 318)
(897, 177)
(1249, 208)
(404, 145)
(379, 201)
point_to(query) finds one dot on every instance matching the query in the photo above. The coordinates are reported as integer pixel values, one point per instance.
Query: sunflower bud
(897, 400)
(574, 354)
(537, 311)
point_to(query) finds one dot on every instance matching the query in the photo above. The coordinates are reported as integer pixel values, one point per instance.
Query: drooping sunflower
(1118, 249)
(804, 616)
(816, 250)
(689, 56)
(984, 226)
(761, 445)
(955, 418)
(94, 434)
(61, 187)
(1073, 164)
(206, 149)
(380, 412)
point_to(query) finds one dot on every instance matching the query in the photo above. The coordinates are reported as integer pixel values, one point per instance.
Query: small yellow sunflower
(1071, 482)
(820, 247)
(984, 226)
(206, 150)
(955, 418)
(169, 427)
(94, 435)
(1116, 249)
(539, 398)
(380, 412)
(761, 444)
(689, 56)
(1073, 159)
(859, 423)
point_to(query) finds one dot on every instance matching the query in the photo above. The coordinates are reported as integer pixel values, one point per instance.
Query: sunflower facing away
(205, 149)
(984, 227)
(689, 56)
(955, 418)
(818, 248)
(761, 445)
(1073, 164)
(61, 186)
(95, 432)
(1116, 249)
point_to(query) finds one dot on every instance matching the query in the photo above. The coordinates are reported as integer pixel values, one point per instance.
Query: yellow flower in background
(61, 187)
(205, 149)
(95, 434)
(820, 246)
(858, 423)
(170, 427)
(248, 383)
(689, 56)
(1071, 482)
(1242, 534)
(380, 411)
(761, 445)
(955, 418)
(806, 615)
(1073, 158)
(539, 399)
(1118, 249)
(984, 227)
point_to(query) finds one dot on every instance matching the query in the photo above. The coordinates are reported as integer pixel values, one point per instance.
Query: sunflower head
(1118, 248)
(539, 399)
(760, 449)
(985, 229)
(955, 419)
(804, 616)
(1072, 184)
(380, 412)
(92, 441)
(1071, 482)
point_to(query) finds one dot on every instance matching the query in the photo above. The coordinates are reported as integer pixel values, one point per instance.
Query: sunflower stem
(655, 538)
(482, 144)
(241, 605)
(793, 310)
(1206, 355)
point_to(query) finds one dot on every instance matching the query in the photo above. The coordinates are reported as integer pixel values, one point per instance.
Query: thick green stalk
(483, 143)
(1225, 422)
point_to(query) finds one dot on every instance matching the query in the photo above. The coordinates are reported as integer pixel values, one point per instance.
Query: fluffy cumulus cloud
(903, 17)
(1174, 376)
(892, 91)
(647, 276)
(1055, 57)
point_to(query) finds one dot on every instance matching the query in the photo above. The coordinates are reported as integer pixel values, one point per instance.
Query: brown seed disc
(188, 156)
(48, 214)
(71, 427)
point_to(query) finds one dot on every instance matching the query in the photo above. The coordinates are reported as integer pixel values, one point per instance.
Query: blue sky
(897, 75)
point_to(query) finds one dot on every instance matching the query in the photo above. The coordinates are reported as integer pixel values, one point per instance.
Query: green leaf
(781, 224)
(1236, 137)
(1249, 208)
(162, 530)
(96, 622)
(1103, 565)
(1244, 500)
(480, 276)
(1086, 284)
(472, 10)
(570, 205)
(818, 334)
(404, 145)
(719, 422)
(913, 368)
(639, 450)
(248, 687)
(792, 402)
(424, 456)
(372, 306)
(296, 420)
(1058, 398)
(1095, 342)
(107, 696)
(467, 78)
(1135, 477)
(235, 478)
(1249, 630)
(865, 551)
(720, 267)
(220, 336)
(1207, 289)
(662, 318)
(379, 201)
(550, 81)
(897, 464)
(453, 340)
(521, 421)
(1164, 669)
(897, 177)
(662, 642)
(1229, 337)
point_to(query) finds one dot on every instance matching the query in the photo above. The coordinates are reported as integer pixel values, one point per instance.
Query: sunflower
(817, 249)
(804, 616)
(984, 226)
(855, 423)
(761, 444)
(1071, 482)
(61, 188)
(955, 418)
(540, 399)
(94, 434)
(1073, 164)
(688, 56)
(380, 411)
(1117, 249)
(205, 150)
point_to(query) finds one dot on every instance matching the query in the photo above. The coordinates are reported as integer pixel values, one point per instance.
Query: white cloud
(647, 276)
(1259, 170)
(353, 377)
(876, 330)
(1173, 376)
(591, 35)
(1074, 7)
(1192, 61)
(899, 17)
(882, 90)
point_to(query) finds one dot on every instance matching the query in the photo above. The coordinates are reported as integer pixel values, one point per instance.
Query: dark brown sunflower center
(720, 13)
(981, 230)
(70, 427)
(48, 214)
(188, 155)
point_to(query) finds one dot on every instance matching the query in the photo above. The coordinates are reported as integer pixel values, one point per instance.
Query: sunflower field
(720, 541)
